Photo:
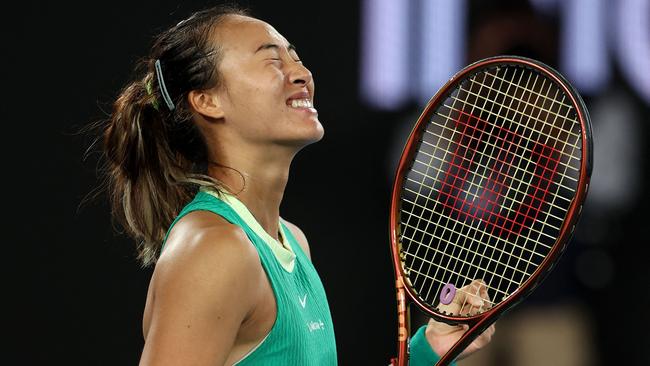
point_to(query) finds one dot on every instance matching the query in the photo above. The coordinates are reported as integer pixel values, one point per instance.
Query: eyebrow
(267, 46)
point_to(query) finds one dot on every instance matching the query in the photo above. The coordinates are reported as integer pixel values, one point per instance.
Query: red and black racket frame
(479, 323)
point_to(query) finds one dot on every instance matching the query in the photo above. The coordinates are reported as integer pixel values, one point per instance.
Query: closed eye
(275, 48)
(279, 59)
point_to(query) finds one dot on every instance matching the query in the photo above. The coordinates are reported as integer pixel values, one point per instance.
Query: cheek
(255, 99)
(264, 95)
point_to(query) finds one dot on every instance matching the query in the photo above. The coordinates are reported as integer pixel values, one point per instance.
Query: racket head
(477, 200)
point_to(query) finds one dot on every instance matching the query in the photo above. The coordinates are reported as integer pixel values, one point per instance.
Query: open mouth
(300, 103)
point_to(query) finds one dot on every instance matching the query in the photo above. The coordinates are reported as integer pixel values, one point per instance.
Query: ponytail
(148, 182)
(156, 158)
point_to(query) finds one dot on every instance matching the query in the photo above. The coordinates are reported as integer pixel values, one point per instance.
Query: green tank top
(302, 333)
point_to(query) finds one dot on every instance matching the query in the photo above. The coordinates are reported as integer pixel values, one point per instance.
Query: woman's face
(266, 93)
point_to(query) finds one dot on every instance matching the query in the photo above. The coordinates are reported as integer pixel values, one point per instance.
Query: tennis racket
(487, 194)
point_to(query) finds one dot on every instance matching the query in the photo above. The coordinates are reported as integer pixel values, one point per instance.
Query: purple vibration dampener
(447, 294)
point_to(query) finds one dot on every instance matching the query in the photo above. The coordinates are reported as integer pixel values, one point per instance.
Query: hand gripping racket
(487, 194)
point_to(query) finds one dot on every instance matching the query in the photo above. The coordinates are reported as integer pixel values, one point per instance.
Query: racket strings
(537, 134)
(474, 107)
(481, 198)
(501, 105)
(473, 186)
(454, 229)
(519, 176)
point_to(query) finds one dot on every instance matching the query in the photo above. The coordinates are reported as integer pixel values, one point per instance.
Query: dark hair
(156, 158)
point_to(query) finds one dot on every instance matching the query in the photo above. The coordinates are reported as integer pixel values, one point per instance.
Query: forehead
(241, 33)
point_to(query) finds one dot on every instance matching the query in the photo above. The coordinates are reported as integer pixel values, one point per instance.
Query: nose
(299, 74)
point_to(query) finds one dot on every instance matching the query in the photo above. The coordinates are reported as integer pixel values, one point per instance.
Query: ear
(206, 103)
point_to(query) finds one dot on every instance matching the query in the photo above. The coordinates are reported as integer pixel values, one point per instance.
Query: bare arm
(203, 289)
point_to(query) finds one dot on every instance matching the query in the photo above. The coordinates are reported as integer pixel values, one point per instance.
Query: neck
(258, 180)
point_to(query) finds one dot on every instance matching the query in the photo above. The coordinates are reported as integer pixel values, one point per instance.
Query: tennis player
(198, 149)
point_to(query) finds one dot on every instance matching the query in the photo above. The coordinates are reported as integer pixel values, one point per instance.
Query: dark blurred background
(75, 292)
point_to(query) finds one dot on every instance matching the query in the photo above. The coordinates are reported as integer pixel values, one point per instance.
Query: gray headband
(163, 87)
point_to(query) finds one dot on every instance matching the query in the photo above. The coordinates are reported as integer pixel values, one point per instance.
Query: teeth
(301, 103)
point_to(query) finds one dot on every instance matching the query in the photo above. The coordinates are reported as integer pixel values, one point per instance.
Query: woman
(199, 150)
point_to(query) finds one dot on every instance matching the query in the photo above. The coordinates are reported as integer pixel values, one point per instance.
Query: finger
(489, 332)
(467, 293)
(485, 295)
(480, 291)
(470, 298)
(440, 328)
(486, 336)
(468, 309)
(472, 294)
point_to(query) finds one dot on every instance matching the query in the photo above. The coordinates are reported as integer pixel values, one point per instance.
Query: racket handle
(465, 340)
(403, 323)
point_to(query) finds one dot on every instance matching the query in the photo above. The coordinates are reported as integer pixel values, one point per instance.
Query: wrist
(421, 351)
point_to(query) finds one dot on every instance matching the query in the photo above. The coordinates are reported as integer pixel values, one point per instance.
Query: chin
(298, 133)
(310, 132)
(305, 137)
(308, 140)
(318, 132)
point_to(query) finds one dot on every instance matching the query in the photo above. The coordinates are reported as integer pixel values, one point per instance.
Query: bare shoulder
(300, 237)
(190, 313)
(203, 238)
(205, 256)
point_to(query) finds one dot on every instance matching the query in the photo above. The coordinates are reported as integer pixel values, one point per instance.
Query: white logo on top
(303, 301)
(313, 326)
